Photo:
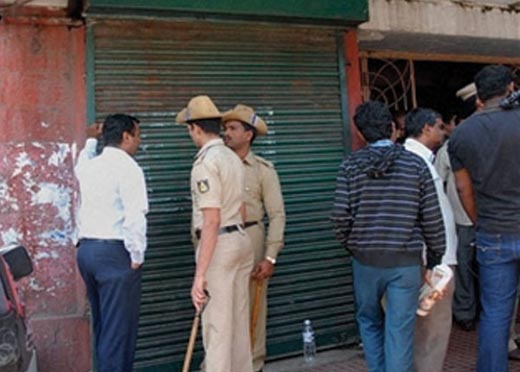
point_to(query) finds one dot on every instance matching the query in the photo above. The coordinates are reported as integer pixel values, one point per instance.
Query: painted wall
(42, 113)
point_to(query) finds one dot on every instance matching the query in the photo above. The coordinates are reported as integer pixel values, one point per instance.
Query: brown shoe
(514, 355)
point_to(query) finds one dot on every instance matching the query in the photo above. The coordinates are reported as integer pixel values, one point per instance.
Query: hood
(376, 160)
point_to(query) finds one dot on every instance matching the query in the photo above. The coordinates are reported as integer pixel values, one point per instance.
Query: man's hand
(136, 265)
(263, 270)
(94, 130)
(427, 277)
(198, 297)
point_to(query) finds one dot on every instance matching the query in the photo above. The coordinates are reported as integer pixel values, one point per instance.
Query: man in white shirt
(112, 237)
(425, 130)
(465, 298)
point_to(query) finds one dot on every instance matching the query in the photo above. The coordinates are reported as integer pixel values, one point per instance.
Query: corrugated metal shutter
(291, 75)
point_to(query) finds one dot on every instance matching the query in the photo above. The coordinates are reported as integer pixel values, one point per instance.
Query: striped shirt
(386, 208)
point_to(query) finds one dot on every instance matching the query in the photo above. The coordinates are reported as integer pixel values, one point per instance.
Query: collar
(249, 159)
(115, 151)
(207, 145)
(418, 148)
(382, 143)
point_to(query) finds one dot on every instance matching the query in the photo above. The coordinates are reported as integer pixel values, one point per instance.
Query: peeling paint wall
(42, 113)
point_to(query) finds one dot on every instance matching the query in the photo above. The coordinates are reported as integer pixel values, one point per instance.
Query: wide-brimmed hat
(199, 108)
(467, 92)
(246, 115)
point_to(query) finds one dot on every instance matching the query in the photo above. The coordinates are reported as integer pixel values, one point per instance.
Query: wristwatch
(271, 260)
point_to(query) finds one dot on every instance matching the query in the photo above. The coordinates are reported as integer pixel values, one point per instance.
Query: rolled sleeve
(207, 186)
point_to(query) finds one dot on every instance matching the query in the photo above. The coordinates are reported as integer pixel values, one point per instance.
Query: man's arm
(466, 194)
(274, 207)
(207, 244)
(442, 164)
(430, 218)
(135, 205)
(341, 214)
(89, 151)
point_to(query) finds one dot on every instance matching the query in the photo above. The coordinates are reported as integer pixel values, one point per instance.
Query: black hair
(250, 128)
(492, 81)
(210, 126)
(374, 120)
(418, 118)
(115, 125)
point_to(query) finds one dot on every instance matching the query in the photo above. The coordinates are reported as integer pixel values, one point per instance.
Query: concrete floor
(461, 357)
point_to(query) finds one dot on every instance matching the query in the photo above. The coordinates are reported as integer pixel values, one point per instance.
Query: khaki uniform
(217, 179)
(263, 195)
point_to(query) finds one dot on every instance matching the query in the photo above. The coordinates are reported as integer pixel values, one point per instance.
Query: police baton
(259, 286)
(193, 335)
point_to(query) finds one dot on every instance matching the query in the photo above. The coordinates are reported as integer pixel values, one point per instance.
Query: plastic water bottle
(309, 345)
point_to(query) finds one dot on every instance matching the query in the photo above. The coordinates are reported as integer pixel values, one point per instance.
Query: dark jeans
(114, 293)
(465, 299)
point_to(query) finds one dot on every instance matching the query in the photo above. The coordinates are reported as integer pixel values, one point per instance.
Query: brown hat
(199, 107)
(467, 92)
(246, 115)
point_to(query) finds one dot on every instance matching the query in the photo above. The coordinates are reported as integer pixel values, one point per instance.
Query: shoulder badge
(203, 186)
(264, 162)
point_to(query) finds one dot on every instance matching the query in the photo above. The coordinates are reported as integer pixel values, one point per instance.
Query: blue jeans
(387, 338)
(498, 256)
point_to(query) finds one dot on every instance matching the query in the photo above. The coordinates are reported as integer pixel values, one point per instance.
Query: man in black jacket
(385, 211)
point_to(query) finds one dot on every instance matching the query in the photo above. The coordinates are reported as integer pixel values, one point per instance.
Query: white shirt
(114, 201)
(443, 167)
(450, 256)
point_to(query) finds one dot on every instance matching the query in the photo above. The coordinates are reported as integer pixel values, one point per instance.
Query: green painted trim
(342, 11)
(345, 115)
(90, 66)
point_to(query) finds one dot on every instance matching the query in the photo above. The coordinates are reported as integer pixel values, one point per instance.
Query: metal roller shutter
(151, 68)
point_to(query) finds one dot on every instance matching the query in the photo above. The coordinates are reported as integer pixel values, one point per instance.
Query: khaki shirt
(263, 194)
(217, 178)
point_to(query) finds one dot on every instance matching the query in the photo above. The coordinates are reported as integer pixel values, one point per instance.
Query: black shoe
(467, 325)
(514, 355)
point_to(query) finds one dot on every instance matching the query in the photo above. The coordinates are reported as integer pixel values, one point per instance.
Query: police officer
(262, 195)
(224, 257)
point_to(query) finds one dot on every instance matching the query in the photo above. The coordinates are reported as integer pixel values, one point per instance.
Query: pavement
(461, 357)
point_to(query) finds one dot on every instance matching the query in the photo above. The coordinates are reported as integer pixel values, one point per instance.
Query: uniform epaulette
(264, 162)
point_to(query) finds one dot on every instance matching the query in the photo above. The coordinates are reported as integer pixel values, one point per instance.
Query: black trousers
(465, 298)
(114, 293)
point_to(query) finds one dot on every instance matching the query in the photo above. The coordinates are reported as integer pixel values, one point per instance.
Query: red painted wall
(42, 117)
(353, 73)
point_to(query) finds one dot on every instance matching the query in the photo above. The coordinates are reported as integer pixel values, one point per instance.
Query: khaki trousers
(256, 235)
(432, 334)
(225, 322)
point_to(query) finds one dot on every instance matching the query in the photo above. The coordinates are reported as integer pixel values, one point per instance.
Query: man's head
(494, 81)
(426, 126)
(122, 131)
(202, 118)
(238, 135)
(241, 126)
(374, 121)
(470, 103)
(202, 130)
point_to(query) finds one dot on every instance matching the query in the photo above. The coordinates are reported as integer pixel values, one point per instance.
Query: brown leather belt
(221, 231)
